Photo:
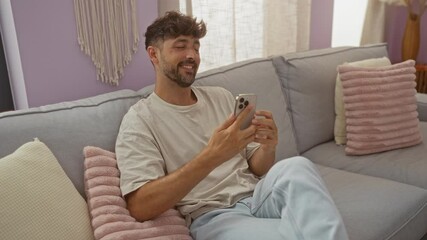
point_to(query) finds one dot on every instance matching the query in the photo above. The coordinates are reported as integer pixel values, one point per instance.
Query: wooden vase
(411, 37)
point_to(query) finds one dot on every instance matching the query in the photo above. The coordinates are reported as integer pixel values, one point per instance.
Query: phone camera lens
(241, 106)
(246, 103)
(241, 100)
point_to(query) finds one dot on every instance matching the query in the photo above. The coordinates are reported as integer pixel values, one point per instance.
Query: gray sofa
(380, 196)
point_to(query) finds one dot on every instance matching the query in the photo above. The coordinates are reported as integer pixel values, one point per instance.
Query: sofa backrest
(298, 88)
(67, 128)
(257, 76)
(308, 81)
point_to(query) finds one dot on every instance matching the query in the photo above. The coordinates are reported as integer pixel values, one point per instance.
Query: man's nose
(191, 54)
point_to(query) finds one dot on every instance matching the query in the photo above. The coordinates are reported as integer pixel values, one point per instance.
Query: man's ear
(152, 54)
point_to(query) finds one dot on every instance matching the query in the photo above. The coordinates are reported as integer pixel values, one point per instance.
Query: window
(348, 22)
(235, 30)
(239, 30)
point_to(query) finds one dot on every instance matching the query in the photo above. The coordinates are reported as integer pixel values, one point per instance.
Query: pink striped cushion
(380, 107)
(340, 132)
(109, 217)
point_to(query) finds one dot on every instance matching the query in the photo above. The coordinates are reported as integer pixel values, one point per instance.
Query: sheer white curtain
(374, 24)
(243, 29)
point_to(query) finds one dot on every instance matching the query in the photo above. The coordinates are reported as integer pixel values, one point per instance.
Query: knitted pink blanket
(109, 217)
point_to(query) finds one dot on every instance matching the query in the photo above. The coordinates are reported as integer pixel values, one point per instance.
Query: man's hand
(266, 133)
(228, 140)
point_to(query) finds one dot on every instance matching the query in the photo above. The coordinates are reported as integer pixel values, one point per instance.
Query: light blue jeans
(290, 202)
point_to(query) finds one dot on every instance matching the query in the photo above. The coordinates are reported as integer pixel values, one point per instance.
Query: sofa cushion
(67, 127)
(37, 199)
(422, 106)
(380, 107)
(340, 133)
(109, 217)
(308, 79)
(406, 165)
(374, 208)
(257, 76)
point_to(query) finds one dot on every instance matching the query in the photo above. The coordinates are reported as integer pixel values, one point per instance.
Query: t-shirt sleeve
(251, 149)
(138, 157)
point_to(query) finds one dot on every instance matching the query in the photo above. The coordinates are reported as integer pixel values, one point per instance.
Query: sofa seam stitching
(68, 108)
(232, 68)
(286, 92)
(338, 51)
(406, 222)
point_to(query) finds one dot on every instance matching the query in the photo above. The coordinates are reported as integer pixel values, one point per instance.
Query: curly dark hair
(173, 25)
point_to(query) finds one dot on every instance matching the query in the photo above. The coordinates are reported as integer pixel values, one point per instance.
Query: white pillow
(340, 125)
(38, 200)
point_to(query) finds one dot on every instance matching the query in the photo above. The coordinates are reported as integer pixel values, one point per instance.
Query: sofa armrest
(422, 106)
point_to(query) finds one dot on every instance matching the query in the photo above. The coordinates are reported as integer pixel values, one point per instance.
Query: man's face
(179, 59)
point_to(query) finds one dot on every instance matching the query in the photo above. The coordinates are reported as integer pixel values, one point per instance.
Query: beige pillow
(340, 126)
(380, 108)
(37, 199)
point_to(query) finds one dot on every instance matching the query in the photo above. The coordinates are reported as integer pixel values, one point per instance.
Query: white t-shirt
(156, 138)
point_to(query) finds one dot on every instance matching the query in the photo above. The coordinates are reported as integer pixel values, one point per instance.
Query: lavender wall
(54, 68)
(321, 24)
(396, 21)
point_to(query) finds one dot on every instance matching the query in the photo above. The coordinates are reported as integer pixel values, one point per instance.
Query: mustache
(188, 62)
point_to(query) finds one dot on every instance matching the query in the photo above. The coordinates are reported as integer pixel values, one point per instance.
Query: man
(182, 147)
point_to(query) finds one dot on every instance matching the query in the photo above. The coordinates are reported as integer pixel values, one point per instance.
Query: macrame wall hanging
(107, 31)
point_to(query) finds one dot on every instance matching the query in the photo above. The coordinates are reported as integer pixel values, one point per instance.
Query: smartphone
(242, 101)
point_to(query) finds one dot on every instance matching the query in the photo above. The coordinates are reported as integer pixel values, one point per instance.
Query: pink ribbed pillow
(380, 107)
(340, 133)
(109, 217)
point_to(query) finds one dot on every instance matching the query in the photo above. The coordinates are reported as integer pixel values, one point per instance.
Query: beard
(183, 80)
